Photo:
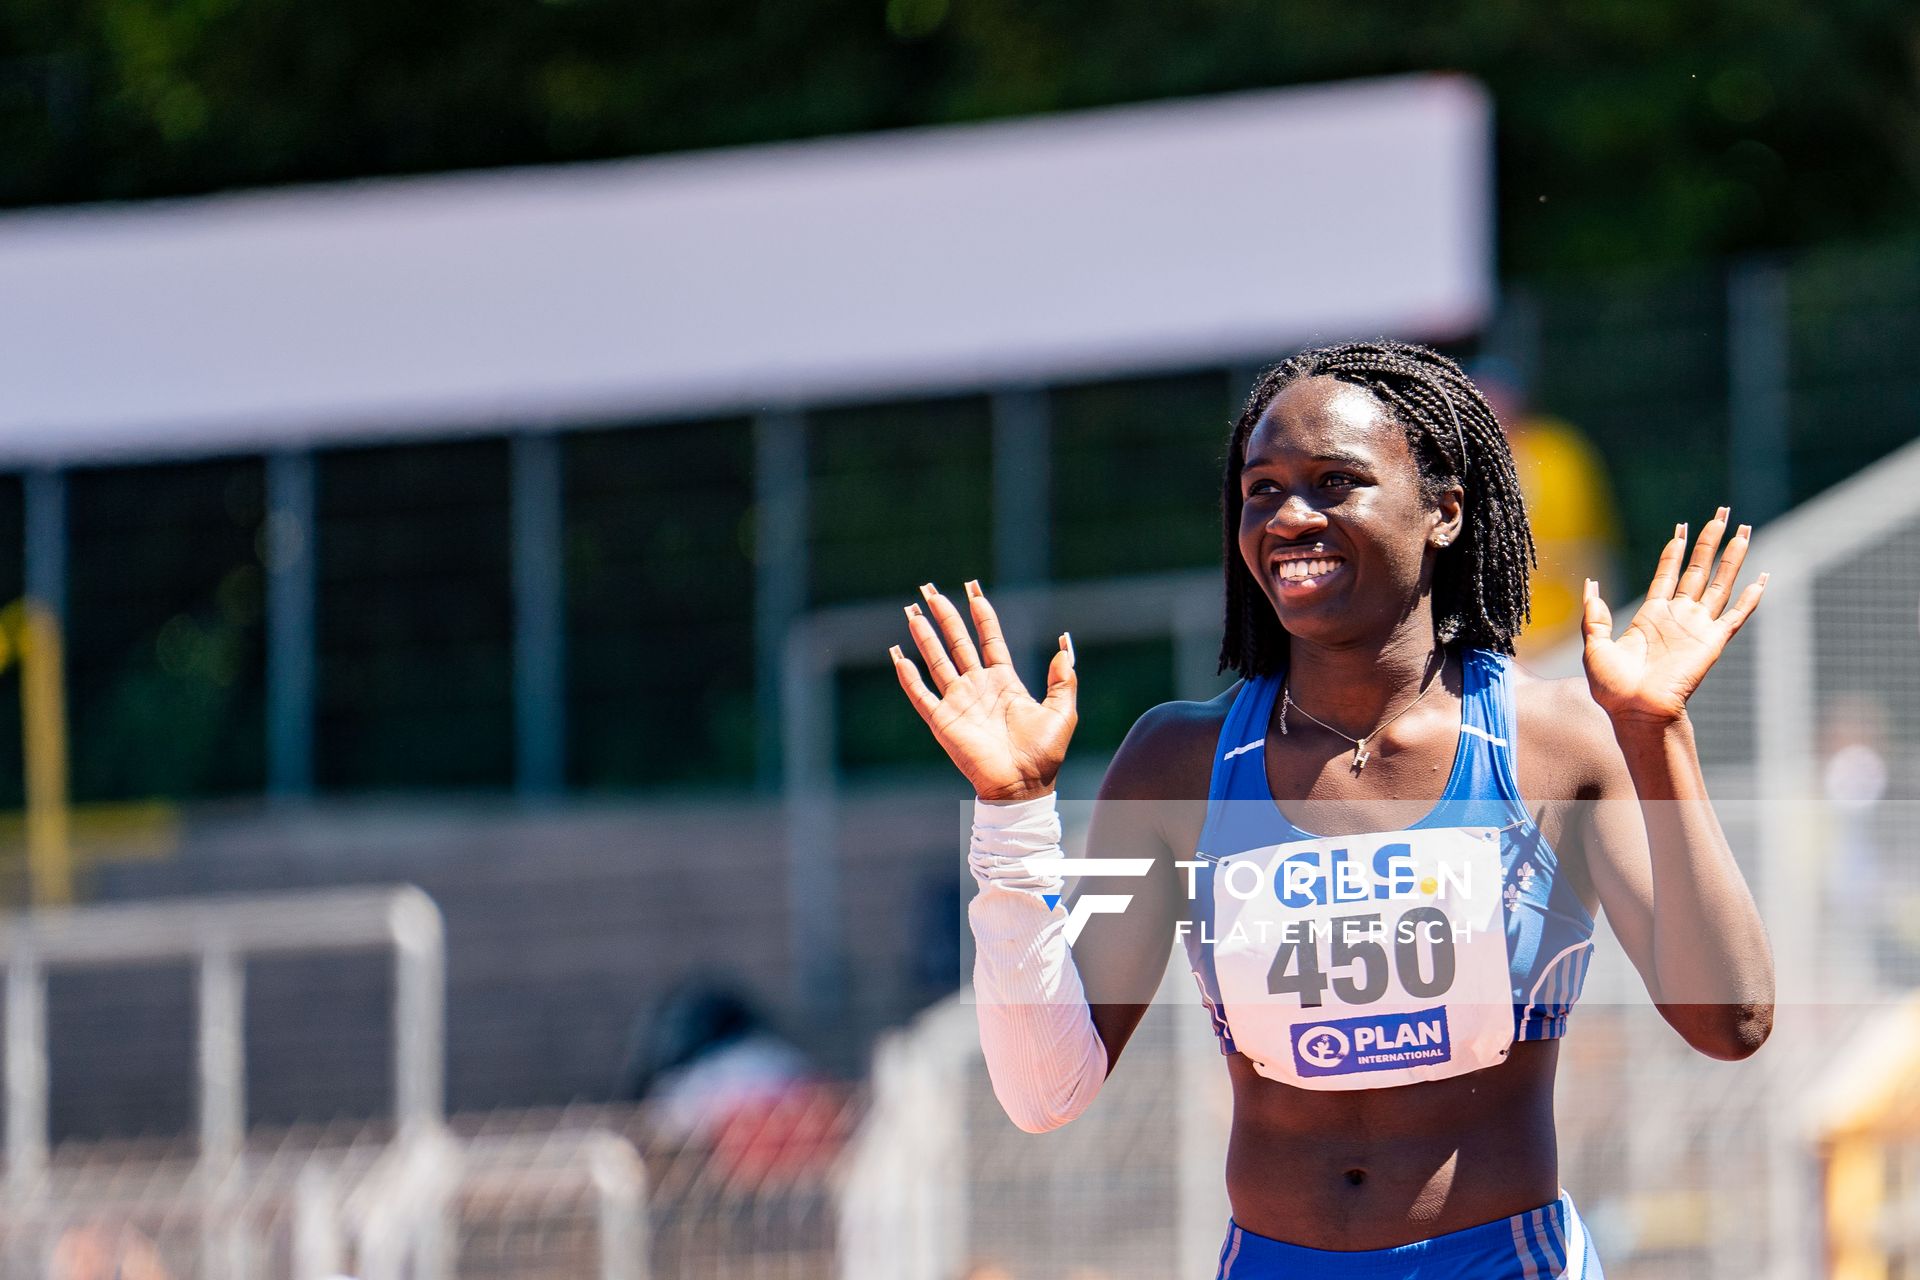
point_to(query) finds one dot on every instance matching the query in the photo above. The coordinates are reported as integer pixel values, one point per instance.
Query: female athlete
(1384, 847)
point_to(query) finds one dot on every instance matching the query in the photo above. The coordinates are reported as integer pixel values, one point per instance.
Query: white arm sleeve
(1043, 1055)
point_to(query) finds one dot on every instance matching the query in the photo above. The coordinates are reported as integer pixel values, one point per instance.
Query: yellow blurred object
(1856, 1178)
(1673, 1218)
(1570, 507)
(32, 636)
(1865, 1113)
(119, 830)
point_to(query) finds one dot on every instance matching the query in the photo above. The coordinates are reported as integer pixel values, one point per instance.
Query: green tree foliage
(1630, 131)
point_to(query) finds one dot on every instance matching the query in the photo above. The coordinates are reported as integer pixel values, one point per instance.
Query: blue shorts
(1543, 1242)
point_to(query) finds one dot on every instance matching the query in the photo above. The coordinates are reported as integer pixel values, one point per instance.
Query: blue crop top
(1549, 930)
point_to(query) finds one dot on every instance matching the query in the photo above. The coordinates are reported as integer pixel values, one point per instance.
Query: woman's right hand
(1009, 746)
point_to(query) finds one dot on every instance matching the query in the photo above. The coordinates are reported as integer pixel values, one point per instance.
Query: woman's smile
(1300, 577)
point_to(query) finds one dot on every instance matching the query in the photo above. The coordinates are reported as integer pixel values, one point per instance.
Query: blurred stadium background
(533, 537)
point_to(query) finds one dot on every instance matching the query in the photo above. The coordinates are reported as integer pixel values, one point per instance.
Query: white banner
(1081, 245)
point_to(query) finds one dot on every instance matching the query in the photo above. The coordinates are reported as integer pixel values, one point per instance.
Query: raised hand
(1009, 746)
(1653, 667)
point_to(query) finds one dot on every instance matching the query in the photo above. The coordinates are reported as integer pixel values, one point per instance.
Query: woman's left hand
(1649, 671)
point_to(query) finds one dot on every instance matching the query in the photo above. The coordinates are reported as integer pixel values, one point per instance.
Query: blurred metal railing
(535, 1198)
(532, 1196)
(218, 935)
(756, 1195)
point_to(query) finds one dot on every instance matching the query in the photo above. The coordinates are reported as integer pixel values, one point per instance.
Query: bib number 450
(1354, 943)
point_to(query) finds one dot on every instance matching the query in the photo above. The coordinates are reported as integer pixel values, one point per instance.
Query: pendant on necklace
(1360, 755)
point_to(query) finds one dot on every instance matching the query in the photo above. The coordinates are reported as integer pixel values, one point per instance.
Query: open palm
(1008, 745)
(1651, 669)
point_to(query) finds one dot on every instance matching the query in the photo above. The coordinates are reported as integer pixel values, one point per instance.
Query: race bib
(1366, 961)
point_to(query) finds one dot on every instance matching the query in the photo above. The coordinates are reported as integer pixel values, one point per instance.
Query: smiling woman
(1389, 951)
(1459, 457)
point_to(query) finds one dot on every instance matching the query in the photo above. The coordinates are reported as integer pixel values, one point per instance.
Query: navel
(1356, 1176)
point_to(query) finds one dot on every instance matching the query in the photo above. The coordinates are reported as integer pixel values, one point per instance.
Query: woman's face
(1333, 526)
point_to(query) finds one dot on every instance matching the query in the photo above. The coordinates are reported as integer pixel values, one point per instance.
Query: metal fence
(536, 1198)
(408, 1198)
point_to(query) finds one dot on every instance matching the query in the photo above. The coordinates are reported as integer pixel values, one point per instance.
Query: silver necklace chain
(1360, 753)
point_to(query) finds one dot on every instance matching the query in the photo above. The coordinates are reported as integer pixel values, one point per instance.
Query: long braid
(1479, 583)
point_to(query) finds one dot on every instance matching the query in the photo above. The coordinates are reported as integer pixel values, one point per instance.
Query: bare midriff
(1375, 1168)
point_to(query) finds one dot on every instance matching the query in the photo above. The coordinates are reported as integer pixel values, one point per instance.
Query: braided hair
(1480, 582)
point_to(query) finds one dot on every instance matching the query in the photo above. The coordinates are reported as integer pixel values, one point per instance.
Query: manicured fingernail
(1680, 531)
(1744, 531)
(1721, 514)
(1764, 577)
(926, 589)
(1066, 642)
(913, 611)
(893, 651)
(973, 586)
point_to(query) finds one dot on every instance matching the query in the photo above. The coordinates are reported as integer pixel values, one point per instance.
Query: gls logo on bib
(1342, 1046)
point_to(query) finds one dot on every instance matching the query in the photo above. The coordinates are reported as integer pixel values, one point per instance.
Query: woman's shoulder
(1558, 720)
(1168, 754)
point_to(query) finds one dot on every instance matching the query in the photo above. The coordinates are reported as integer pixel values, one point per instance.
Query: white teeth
(1300, 570)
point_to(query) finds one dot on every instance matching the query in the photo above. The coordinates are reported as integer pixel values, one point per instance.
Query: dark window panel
(880, 733)
(414, 617)
(660, 598)
(165, 634)
(1119, 681)
(1854, 324)
(900, 494)
(1641, 367)
(1136, 475)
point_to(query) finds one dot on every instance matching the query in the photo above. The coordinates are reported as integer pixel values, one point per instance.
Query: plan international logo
(1342, 1046)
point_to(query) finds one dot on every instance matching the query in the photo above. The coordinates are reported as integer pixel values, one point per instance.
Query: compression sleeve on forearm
(1043, 1055)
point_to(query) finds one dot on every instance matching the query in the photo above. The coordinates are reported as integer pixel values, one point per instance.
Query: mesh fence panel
(754, 1194)
(533, 1197)
(1866, 683)
(1089, 1199)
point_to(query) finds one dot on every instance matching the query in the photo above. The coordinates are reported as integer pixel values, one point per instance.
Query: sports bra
(1373, 960)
